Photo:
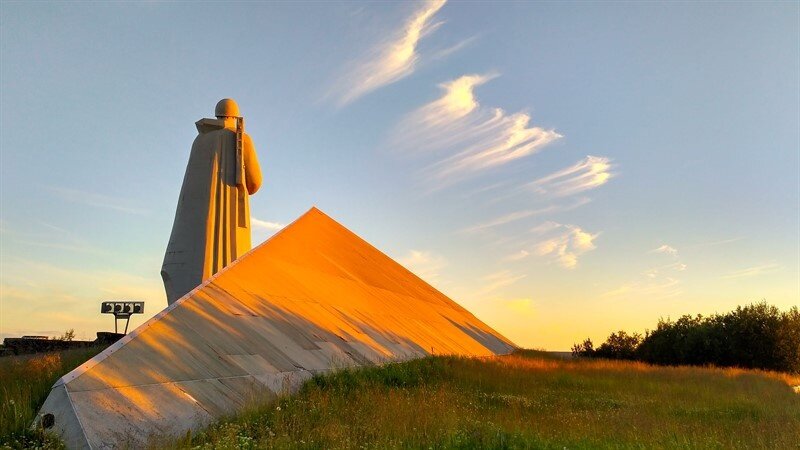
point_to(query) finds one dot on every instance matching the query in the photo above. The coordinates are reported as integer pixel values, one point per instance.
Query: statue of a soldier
(212, 221)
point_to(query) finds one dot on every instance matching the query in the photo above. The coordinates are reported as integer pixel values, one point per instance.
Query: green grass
(25, 382)
(526, 400)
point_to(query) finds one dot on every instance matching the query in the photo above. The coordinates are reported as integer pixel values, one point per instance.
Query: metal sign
(122, 310)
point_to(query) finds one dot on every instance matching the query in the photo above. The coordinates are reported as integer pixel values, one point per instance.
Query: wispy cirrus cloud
(390, 60)
(753, 271)
(43, 234)
(665, 249)
(588, 173)
(523, 214)
(498, 280)
(668, 250)
(97, 200)
(424, 264)
(717, 242)
(657, 271)
(263, 229)
(477, 137)
(520, 255)
(566, 245)
(657, 289)
(265, 225)
(655, 283)
(560, 243)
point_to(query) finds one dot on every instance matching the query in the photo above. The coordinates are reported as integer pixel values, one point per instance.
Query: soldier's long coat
(212, 221)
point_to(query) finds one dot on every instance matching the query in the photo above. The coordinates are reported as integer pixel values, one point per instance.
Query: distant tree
(619, 345)
(584, 349)
(685, 341)
(68, 335)
(788, 341)
(754, 336)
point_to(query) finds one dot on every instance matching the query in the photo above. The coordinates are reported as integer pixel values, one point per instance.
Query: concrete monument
(243, 327)
(212, 221)
(313, 298)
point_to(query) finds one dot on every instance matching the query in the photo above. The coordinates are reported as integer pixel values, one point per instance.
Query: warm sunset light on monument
(313, 298)
(401, 225)
(212, 223)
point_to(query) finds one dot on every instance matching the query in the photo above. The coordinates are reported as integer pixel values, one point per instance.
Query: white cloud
(520, 255)
(480, 138)
(424, 264)
(83, 248)
(545, 227)
(445, 52)
(263, 229)
(522, 214)
(678, 266)
(588, 173)
(391, 60)
(265, 225)
(654, 288)
(497, 280)
(657, 271)
(719, 242)
(666, 249)
(97, 200)
(425, 126)
(753, 271)
(502, 220)
(567, 245)
(49, 236)
(654, 283)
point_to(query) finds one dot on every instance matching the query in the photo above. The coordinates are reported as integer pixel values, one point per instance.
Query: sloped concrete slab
(313, 298)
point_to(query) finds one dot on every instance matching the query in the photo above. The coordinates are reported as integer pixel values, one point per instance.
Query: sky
(562, 170)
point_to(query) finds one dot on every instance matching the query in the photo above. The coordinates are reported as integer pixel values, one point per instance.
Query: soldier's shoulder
(210, 126)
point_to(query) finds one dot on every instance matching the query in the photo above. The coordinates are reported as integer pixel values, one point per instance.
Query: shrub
(619, 345)
(585, 349)
(757, 336)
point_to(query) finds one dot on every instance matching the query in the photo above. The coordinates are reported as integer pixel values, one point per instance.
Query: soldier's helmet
(226, 108)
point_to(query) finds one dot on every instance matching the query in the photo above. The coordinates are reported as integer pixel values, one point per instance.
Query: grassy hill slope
(525, 400)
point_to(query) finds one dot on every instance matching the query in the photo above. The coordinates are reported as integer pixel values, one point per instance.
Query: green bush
(584, 349)
(758, 336)
(619, 345)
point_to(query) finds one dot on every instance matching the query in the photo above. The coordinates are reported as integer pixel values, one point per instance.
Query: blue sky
(562, 170)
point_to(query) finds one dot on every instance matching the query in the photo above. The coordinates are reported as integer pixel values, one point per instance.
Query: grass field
(526, 400)
(25, 382)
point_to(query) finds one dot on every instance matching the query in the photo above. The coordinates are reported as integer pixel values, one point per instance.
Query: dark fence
(28, 345)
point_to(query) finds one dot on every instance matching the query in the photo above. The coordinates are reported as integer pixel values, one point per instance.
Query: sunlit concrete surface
(212, 220)
(313, 298)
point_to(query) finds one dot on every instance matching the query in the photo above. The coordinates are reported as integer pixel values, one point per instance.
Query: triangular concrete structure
(312, 298)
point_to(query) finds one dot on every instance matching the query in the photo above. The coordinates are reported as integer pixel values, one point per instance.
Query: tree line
(758, 336)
